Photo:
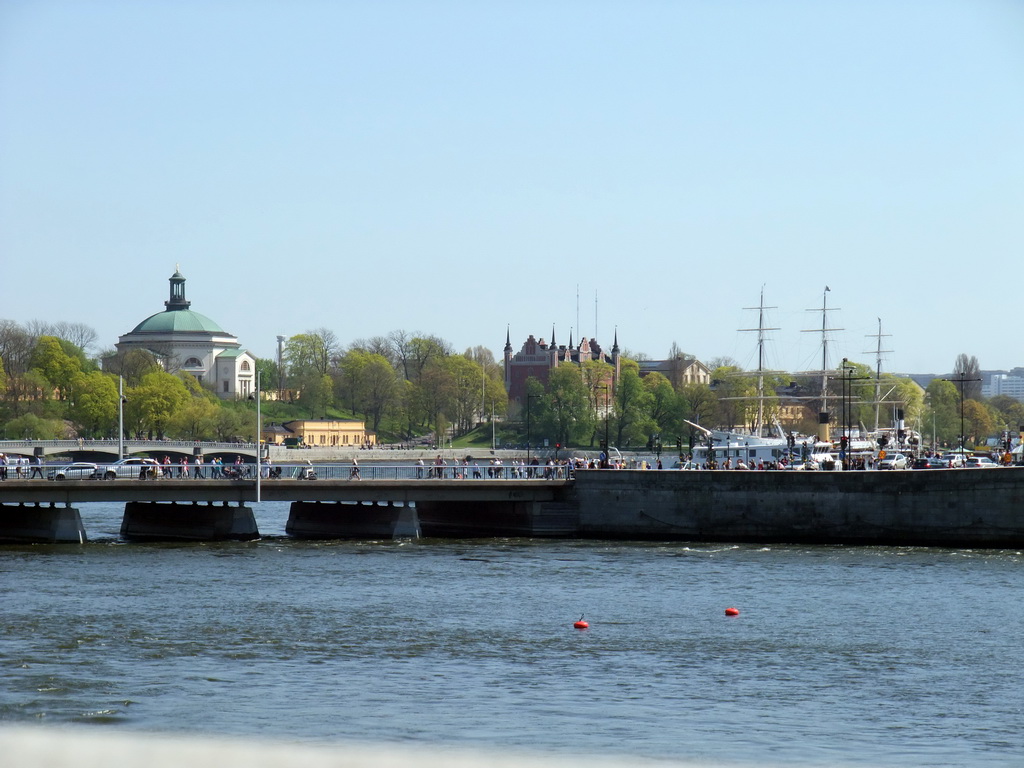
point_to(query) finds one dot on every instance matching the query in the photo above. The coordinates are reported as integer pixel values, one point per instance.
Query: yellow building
(315, 434)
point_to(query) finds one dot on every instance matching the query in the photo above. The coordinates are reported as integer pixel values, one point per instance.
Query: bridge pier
(152, 521)
(36, 524)
(334, 520)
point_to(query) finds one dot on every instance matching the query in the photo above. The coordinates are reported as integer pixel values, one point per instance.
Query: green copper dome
(178, 320)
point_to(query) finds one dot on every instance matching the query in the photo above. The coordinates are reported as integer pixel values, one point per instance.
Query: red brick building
(538, 358)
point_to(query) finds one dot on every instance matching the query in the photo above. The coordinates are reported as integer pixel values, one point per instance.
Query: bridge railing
(302, 471)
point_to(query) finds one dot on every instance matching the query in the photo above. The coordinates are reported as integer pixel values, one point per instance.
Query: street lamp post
(259, 439)
(259, 436)
(529, 438)
(607, 457)
(120, 417)
(961, 379)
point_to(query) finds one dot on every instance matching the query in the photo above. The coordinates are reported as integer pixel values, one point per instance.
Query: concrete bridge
(207, 509)
(106, 450)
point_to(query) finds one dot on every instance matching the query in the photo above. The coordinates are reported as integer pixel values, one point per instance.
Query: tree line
(408, 385)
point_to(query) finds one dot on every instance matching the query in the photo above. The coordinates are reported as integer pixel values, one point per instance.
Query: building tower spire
(508, 358)
(177, 300)
(615, 357)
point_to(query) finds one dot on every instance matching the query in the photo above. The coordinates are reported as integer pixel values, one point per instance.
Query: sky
(467, 169)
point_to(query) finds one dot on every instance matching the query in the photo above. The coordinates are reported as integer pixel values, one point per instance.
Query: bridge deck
(68, 492)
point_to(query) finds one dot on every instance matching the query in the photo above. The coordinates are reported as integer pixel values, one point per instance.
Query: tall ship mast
(878, 367)
(761, 330)
(823, 414)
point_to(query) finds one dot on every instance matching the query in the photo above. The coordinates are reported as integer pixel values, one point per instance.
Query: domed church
(184, 340)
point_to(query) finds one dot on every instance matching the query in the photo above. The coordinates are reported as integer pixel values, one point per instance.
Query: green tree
(196, 419)
(736, 391)
(154, 403)
(943, 410)
(698, 403)
(567, 414)
(31, 427)
(316, 396)
(632, 407)
(979, 422)
(94, 412)
(663, 405)
(228, 424)
(52, 361)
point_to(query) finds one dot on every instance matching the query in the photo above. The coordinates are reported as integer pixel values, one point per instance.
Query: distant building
(184, 340)
(536, 359)
(1004, 384)
(680, 371)
(319, 433)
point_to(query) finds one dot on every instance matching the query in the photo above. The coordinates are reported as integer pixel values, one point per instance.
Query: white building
(1004, 384)
(184, 340)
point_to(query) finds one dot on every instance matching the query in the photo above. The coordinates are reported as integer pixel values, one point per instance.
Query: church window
(193, 362)
(245, 365)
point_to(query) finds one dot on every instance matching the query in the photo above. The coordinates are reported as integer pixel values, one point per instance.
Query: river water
(855, 656)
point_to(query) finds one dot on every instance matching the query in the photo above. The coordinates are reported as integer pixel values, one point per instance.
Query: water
(859, 656)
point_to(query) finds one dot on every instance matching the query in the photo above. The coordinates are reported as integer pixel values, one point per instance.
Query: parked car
(131, 467)
(893, 461)
(953, 460)
(80, 470)
(980, 462)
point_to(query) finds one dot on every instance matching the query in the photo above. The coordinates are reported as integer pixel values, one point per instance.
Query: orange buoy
(581, 624)
(732, 611)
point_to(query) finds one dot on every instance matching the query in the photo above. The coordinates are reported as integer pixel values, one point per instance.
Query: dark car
(925, 463)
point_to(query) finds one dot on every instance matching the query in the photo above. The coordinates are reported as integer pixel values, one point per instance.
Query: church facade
(184, 340)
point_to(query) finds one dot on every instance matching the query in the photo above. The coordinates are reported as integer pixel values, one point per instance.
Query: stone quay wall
(959, 507)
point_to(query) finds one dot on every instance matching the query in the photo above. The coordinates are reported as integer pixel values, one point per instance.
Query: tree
(269, 374)
(79, 334)
(663, 402)
(380, 388)
(31, 427)
(366, 383)
(95, 404)
(228, 424)
(316, 395)
(567, 415)
(1011, 411)
(632, 406)
(153, 404)
(53, 362)
(736, 392)
(133, 365)
(311, 353)
(978, 422)
(943, 411)
(698, 403)
(968, 370)
(196, 419)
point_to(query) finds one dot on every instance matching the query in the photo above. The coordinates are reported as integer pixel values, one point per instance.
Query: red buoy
(581, 624)
(732, 611)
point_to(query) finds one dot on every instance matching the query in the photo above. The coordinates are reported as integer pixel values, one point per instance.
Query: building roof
(178, 320)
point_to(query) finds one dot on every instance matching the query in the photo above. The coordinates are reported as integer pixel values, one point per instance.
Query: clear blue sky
(455, 168)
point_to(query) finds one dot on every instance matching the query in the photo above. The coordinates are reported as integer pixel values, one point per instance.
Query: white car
(894, 461)
(80, 470)
(980, 462)
(131, 467)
